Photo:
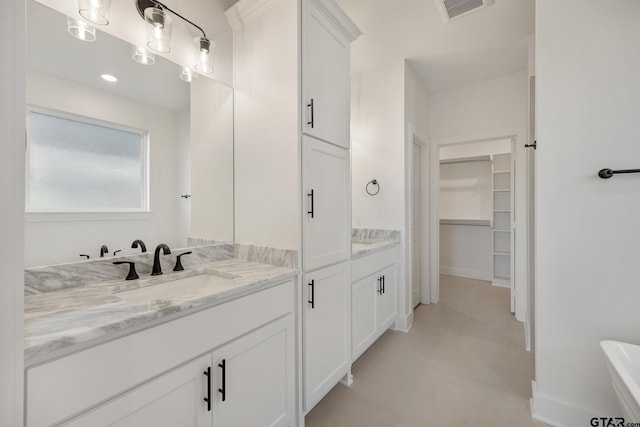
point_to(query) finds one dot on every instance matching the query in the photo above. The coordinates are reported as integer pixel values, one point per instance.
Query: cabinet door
(253, 380)
(326, 325)
(327, 204)
(173, 399)
(363, 314)
(325, 78)
(386, 302)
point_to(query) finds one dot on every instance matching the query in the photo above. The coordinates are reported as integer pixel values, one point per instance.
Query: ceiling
(484, 44)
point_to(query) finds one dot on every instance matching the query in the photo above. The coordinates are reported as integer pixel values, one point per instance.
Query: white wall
(12, 122)
(587, 276)
(488, 110)
(475, 149)
(211, 161)
(466, 190)
(51, 241)
(377, 151)
(499, 103)
(267, 189)
(465, 251)
(389, 106)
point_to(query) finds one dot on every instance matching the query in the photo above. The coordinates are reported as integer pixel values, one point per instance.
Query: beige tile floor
(462, 363)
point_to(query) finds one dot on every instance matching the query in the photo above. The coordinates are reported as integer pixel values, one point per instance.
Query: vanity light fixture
(81, 29)
(158, 29)
(205, 56)
(158, 20)
(142, 55)
(109, 78)
(95, 11)
(187, 74)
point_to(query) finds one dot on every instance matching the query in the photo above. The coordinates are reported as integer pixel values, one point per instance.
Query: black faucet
(103, 250)
(157, 268)
(137, 242)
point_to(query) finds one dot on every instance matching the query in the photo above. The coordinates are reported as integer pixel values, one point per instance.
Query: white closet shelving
(502, 183)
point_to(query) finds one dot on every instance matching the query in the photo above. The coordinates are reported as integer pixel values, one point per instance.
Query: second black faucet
(157, 268)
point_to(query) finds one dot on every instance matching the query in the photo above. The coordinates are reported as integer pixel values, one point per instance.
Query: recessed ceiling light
(109, 78)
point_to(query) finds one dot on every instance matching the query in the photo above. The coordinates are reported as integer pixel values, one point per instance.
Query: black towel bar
(608, 173)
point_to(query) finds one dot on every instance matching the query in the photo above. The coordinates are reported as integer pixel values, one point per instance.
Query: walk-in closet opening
(476, 212)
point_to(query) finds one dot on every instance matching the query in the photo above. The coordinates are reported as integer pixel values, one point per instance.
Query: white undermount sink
(206, 283)
(623, 362)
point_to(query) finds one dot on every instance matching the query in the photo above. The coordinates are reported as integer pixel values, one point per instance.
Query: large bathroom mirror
(148, 156)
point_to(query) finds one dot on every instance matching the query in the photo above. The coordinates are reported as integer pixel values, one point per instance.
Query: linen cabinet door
(327, 203)
(172, 399)
(254, 378)
(326, 330)
(387, 298)
(363, 315)
(325, 78)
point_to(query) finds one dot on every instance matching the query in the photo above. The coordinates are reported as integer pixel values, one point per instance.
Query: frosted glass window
(76, 166)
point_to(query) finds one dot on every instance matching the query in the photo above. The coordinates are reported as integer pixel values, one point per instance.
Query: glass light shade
(95, 11)
(158, 29)
(187, 74)
(142, 55)
(205, 51)
(80, 29)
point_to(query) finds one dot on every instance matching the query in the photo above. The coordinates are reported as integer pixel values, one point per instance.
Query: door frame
(519, 279)
(425, 247)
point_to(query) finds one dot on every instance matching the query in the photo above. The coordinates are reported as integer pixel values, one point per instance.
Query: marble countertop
(65, 319)
(363, 247)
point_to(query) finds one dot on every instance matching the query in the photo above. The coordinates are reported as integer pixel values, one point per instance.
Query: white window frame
(37, 215)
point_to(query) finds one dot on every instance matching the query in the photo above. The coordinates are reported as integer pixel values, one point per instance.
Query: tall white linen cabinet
(292, 165)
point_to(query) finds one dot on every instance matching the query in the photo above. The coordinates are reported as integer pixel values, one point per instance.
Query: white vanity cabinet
(326, 308)
(156, 377)
(325, 74)
(255, 378)
(374, 298)
(326, 224)
(172, 399)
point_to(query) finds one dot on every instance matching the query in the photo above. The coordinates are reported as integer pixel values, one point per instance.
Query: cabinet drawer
(64, 387)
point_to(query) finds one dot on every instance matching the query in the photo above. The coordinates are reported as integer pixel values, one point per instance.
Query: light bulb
(158, 29)
(205, 53)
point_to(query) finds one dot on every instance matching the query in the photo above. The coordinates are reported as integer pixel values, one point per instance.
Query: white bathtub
(624, 367)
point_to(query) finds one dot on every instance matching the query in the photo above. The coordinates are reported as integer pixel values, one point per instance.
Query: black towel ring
(375, 183)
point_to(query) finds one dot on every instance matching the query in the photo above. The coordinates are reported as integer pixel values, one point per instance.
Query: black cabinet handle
(310, 105)
(223, 390)
(313, 296)
(310, 212)
(383, 284)
(380, 285)
(208, 398)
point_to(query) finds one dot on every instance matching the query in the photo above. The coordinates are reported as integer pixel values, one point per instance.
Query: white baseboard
(501, 284)
(404, 322)
(469, 273)
(558, 413)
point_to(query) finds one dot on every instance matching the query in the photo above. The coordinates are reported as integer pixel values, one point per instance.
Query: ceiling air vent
(451, 9)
